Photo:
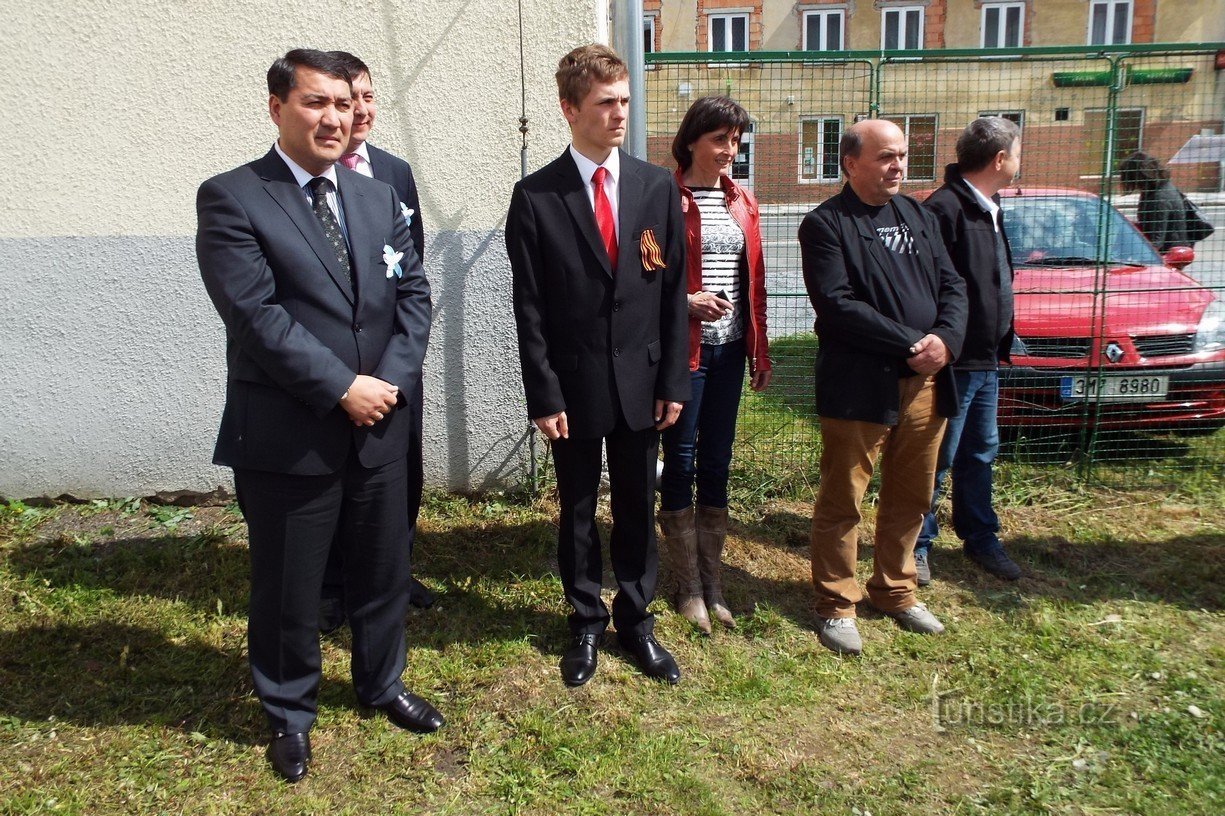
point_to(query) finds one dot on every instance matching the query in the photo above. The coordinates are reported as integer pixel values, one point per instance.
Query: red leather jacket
(743, 208)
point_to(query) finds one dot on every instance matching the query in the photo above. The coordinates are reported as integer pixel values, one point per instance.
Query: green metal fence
(1122, 367)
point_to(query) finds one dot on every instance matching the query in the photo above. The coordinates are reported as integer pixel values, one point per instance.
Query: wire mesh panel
(1119, 364)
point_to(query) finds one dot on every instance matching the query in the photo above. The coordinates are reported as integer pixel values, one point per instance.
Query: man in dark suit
(596, 245)
(363, 157)
(327, 315)
(891, 314)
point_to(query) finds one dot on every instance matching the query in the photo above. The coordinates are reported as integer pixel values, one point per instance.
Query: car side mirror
(1178, 257)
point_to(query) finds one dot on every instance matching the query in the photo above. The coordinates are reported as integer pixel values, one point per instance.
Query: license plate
(1114, 388)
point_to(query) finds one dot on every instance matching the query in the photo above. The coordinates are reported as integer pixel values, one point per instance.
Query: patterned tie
(604, 216)
(349, 160)
(331, 227)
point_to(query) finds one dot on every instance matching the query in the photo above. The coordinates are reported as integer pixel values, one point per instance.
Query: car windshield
(1061, 230)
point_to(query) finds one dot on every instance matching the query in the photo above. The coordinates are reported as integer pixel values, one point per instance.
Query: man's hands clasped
(369, 400)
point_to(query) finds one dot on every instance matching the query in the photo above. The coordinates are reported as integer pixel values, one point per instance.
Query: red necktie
(349, 160)
(604, 217)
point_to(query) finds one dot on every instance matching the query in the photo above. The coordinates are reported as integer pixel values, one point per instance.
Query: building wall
(113, 356)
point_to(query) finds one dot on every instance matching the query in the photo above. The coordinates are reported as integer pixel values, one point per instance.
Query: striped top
(722, 247)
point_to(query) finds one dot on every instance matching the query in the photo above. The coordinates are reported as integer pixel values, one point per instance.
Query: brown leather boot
(680, 556)
(712, 533)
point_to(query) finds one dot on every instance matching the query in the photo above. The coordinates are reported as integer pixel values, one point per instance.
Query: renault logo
(1114, 352)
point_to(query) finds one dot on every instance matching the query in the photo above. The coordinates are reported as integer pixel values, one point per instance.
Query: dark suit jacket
(591, 340)
(395, 171)
(296, 331)
(862, 345)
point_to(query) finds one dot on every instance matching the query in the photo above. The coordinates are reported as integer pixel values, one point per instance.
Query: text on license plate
(1115, 388)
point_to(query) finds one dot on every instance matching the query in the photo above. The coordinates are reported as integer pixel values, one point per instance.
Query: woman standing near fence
(727, 328)
(1161, 213)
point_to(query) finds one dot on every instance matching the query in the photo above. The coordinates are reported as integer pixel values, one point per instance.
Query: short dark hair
(982, 141)
(353, 65)
(583, 67)
(849, 144)
(281, 76)
(706, 115)
(1140, 172)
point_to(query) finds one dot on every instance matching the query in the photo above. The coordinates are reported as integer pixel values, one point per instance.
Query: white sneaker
(918, 619)
(839, 635)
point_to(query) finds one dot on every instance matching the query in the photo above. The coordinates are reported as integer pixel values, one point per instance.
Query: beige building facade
(801, 106)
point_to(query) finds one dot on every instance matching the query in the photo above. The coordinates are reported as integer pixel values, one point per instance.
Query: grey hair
(983, 139)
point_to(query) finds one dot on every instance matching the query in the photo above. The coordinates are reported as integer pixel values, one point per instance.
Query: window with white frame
(1003, 25)
(1110, 22)
(648, 34)
(729, 32)
(823, 30)
(819, 137)
(901, 27)
(920, 131)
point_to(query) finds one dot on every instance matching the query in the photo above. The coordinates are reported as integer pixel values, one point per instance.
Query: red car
(1110, 333)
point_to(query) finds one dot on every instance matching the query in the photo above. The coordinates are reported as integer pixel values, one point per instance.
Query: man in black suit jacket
(363, 157)
(596, 245)
(891, 314)
(327, 315)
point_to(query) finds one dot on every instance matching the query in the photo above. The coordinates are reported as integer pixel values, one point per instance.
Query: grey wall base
(113, 369)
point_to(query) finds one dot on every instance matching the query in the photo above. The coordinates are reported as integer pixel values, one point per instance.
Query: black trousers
(632, 548)
(292, 522)
(333, 584)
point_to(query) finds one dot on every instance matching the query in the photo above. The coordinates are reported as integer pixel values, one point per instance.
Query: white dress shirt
(363, 165)
(304, 178)
(587, 168)
(988, 206)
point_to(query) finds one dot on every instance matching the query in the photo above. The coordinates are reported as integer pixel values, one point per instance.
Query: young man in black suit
(363, 157)
(327, 314)
(596, 245)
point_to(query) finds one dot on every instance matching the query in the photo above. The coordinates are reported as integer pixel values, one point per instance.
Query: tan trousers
(907, 452)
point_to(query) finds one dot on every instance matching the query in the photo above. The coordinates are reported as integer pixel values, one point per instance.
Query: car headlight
(1210, 334)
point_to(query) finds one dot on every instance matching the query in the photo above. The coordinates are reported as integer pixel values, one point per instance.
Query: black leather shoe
(331, 614)
(418, 595)
(290, 754)
(653, 659)
(411, 712)
(997, 563)
(579, 661)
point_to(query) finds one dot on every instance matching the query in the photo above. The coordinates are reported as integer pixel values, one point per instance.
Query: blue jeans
(700, 443)
(970, 443)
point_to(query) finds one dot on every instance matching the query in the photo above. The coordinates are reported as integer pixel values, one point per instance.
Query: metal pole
(627, 41)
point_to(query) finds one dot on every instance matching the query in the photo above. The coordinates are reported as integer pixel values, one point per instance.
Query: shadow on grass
(106, 673)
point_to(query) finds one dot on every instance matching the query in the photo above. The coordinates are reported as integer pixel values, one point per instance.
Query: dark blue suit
(298, 332)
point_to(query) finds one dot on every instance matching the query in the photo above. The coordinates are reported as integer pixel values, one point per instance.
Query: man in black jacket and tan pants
(890, 318)
(972, 225)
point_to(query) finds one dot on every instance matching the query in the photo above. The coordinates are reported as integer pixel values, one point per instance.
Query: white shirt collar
(587, 168)
(301, 176)
(363, 152)
(988, 206)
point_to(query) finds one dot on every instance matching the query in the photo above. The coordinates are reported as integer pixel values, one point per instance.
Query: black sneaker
(996, 562)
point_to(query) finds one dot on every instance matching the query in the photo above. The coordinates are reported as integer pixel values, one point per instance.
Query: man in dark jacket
(967, 208)
(891, 313)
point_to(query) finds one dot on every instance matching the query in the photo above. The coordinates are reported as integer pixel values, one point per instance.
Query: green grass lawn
(1093, 685)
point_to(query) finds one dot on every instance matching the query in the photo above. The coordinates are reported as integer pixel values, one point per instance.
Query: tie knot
(319, 186)
(598, 177)
(349, 160)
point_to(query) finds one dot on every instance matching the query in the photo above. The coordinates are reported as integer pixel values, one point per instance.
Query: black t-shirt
(915, 298)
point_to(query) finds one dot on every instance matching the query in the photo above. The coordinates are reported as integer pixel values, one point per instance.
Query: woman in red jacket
(727, 328)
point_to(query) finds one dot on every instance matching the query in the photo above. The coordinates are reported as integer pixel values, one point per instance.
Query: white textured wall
(112, 363)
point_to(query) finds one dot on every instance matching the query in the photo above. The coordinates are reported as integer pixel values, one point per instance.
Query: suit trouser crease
(632, 457)
(292, 523)
(907, 456)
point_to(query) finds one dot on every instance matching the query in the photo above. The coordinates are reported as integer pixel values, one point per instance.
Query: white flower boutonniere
(408, 214)
(392, 259)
